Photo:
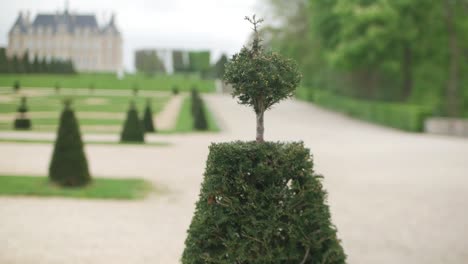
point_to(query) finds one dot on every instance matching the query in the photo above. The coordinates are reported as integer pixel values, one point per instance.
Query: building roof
(69, 21)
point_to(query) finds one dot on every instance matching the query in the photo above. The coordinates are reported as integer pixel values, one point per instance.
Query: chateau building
(68, 36)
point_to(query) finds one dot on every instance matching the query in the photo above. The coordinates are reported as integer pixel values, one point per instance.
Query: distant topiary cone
(147, 121)
(16, 86)
(69, 166)
(22, 122)
(261, 203)
(198, 111)
(133, 130)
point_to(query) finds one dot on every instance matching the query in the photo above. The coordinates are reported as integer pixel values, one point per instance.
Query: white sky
(217, 25)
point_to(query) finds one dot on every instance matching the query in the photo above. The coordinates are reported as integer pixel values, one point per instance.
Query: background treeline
(25, 64)
(399, 51)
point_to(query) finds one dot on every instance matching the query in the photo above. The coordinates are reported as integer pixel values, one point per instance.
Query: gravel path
(395, 197)
(167, 118)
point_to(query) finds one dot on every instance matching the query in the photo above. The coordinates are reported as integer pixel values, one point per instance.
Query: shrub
(147, 121)
(175, 90)
(69, 166)
(22, 122)
(57, 88)
(133, 128)
(398, 115)
(261, 203)
(261, 78)
(198, 111)
(135, 89)
(16, 86)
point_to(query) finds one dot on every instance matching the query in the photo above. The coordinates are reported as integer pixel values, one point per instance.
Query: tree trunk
(454, 69)
(260, 127)
(407, 68)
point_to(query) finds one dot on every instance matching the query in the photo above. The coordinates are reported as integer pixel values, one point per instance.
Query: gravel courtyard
(395, 197)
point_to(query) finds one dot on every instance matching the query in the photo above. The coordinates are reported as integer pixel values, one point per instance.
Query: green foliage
(100, 189)
(261, 78)
(402, 116)
(69, 166)
(148, 124)
(261, 203)
(22, 122)
(375, 49)
(148, 62)
(185, 119)
(175, 90)
(199, 61)
(133, 130)
(198, 111)
(23, 108)
(110, 81)
(220, 66)
(16, 86)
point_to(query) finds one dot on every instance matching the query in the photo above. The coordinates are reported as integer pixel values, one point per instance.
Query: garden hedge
(398, 115)
(261, 203)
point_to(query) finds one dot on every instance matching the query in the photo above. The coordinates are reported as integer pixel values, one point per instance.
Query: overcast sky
(216, 25)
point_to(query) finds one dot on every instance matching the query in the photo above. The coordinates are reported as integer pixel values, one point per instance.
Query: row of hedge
(397, 115)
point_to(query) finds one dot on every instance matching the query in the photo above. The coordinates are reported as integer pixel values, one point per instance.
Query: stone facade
(68, 36)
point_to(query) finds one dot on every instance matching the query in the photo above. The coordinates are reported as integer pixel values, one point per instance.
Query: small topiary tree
(16, 86)
(133, 130)
(22, 122)
(135, 89)
(57, 88)
(261, 79)
(69, 167)
(261, 202)
(175, 90)
(147, 121)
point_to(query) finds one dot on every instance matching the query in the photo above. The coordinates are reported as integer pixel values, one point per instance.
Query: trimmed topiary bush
(147, 121)
(198, 111)
(261, 203)
(22, 122)
(133, 130)
(57, 88)
(16, 86)
(69, 167)
(175, 90)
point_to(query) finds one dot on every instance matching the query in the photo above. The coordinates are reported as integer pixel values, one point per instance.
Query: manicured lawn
(37, 141)
(106, 112)
(185, 120)
(108, 104)
(110, 81)
(100, 188)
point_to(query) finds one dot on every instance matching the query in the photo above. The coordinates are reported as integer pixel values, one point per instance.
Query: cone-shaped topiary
(198, 111)
(147, 121)
(133, 129)
(22, 122)
(16, 86)
(69, 166)
(261, 203)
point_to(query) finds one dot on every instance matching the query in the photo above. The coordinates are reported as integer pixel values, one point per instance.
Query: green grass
(83, 103)
(110, 81)
(37, 141)
(100, 188)
(185, 120)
